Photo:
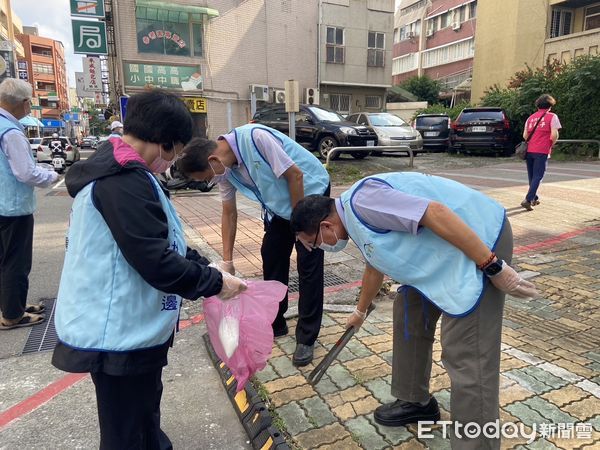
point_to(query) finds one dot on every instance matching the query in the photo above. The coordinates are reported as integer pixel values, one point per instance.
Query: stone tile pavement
(550, 371)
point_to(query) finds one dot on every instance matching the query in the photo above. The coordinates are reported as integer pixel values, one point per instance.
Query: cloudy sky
(52, 17)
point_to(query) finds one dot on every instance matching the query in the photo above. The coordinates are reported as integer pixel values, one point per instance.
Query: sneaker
(527, 205)
(402, 413)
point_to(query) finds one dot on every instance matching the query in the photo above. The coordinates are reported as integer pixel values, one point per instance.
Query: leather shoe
(303, 355)
(278, 332)
(402, 413)
(527, 205)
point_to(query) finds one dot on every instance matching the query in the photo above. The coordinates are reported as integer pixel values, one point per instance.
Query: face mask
(160, 165)
(338, 246)
(218, 178)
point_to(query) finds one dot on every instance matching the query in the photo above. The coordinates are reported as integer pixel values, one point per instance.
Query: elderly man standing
(18, 176)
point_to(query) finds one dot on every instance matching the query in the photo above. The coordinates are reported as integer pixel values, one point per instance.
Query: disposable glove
(226, 266)
(509, 281)
(356, 319)
(232, 286)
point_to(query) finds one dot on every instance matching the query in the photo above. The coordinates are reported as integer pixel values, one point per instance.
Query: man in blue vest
(268, 167)
(450, 247)
(18, 176)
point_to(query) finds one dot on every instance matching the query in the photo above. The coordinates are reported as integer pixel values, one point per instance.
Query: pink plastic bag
(255, 309)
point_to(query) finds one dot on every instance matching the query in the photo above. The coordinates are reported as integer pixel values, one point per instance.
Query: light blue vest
(103, 303)
(430, 264)
(272, 192)
(16, 198)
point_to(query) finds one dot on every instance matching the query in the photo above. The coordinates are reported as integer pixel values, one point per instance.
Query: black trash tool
(318, 372)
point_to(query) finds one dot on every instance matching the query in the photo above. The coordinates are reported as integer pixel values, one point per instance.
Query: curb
(251, 410)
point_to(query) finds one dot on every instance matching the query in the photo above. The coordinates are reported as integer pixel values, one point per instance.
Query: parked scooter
(174, 180)
(58, 154)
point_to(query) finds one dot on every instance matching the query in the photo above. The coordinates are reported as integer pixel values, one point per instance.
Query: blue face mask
(339, 245)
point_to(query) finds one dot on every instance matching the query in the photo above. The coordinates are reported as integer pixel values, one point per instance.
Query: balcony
(566, 48)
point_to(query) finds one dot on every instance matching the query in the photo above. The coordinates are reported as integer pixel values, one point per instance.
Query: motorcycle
(58, 155)
(174, 180)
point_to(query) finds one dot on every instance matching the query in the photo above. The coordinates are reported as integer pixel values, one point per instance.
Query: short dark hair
(159, 117)
(545, 101)
(195, 156)
(310, 212)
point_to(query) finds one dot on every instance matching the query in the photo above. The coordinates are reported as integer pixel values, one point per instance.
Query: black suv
(319, 129)
(435, 129)
(484, 129)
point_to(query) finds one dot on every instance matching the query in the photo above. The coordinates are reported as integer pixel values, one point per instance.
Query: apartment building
(533, 34)
(10, 47)
(435, 38)
(45, 62)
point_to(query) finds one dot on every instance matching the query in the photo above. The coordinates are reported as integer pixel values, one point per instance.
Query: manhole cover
(331, 279)
(42, 337)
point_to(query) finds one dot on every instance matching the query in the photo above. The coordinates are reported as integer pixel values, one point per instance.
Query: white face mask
(339, 245)
(218, 178)
(160, 165)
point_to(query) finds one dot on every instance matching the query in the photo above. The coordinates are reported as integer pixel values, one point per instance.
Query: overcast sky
(53, 19)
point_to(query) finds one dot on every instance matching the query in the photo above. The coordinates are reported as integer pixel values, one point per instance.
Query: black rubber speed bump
(251, 410)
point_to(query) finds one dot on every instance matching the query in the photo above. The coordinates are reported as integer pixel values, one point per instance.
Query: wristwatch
(494, 268)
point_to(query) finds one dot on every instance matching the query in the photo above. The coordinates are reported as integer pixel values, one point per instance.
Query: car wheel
(325, 144)
(360, 155)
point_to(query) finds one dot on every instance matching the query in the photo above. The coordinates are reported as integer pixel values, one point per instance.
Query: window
(410, 30)
(362, 119)
(472, 10)
(445, 20)
(43, 86)
(372, 102)
(560, 23)
(169, 33)
(340, 103)
(376, 51)
(592, 17)
(41, 51)
(404, 64)
(43, 68)
(432, 24)
(335, 45)
(396, 35)
(449, 53)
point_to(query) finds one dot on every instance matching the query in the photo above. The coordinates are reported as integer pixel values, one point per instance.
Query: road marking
(59, 184)
(553, 240)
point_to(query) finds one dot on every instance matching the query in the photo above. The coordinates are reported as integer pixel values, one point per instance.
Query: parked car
(390, 129)
(89, 142)
(34, 143)
(319, 129)
(482, 129)
(435, 129)
(44, 153)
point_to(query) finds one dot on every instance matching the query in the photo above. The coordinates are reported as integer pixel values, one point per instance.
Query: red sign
(163, 34)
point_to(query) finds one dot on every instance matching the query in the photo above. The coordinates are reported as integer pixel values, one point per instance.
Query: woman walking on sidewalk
(543, 126)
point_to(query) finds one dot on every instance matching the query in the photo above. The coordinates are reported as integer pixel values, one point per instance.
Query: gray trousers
(470, 353)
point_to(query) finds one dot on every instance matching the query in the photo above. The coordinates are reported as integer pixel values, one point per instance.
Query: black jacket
(126, 199)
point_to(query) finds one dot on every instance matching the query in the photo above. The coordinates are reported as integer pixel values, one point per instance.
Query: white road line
(59, 184)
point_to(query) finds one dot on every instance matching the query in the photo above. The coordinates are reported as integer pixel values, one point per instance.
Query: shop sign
(195, 104)
(187, 78)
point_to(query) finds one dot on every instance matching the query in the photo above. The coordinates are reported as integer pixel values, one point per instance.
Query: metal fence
(388, 148)
(581, 141)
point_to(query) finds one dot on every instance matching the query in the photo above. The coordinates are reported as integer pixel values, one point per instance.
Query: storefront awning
(171, 12)
(407, 96)
(30, 121)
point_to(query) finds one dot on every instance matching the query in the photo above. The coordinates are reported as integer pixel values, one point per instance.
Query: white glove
(226, 266)
(509, 281)
(232, 287)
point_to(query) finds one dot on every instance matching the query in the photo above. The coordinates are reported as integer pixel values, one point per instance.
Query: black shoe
(278, 332)
(527, 205)
(303, 355)
(402, 413)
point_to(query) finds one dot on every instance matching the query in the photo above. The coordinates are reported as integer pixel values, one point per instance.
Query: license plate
(431, 133)
(370, 143)
(479, 129)
(58, 163)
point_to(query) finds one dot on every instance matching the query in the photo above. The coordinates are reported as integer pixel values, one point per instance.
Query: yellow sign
(195, 104)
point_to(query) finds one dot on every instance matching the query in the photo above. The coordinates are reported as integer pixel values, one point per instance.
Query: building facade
(533, 34)
(225, 57)
(435, 38)
(45, 61)
(10, 47)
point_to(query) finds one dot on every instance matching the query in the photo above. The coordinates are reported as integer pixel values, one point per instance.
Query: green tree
(97, 124)
(423, 87)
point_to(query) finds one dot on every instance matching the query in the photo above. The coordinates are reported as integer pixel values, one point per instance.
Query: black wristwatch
(494, 268)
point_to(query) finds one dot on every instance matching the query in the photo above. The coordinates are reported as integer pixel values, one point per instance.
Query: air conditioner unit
(260, 91)
(311, 96)
(278, 96)
(429, 32)
(411, 35)
(456, 26)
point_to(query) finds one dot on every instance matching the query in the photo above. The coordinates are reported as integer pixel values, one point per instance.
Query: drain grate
(42, 337)
(331, 279)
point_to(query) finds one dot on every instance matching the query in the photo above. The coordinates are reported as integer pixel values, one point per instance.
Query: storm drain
(331, 279)
(42, 337)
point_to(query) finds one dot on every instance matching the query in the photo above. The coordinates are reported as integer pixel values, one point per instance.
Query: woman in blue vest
(268, 167)
(126, 269)
(450, 247)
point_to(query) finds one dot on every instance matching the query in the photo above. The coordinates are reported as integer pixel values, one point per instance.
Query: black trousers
(276, 250)
(129, 411)
(16, 247)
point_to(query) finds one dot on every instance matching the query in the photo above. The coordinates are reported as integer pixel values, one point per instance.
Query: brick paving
(550, 370)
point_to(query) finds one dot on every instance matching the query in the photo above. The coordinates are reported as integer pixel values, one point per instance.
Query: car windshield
(325, 115)
(386, 120)
(481, 116)
(35, 140)
(429, 121)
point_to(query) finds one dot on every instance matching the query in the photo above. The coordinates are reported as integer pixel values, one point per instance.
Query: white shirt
(18, 152)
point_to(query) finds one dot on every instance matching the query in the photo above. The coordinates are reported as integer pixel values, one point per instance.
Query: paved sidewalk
(550, 360)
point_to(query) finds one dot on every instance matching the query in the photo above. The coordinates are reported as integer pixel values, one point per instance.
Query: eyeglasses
(313, 246)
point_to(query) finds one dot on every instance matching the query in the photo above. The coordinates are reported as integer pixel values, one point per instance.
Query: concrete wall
(566, 48)
(405, 110)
